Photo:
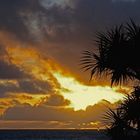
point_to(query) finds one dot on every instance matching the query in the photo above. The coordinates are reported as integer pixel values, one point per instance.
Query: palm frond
(114, 56)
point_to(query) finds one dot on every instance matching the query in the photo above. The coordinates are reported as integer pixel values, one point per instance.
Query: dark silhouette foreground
(119, 57)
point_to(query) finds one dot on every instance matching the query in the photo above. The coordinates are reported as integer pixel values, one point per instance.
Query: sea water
(52, 135)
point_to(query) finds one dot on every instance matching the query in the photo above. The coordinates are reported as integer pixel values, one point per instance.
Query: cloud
(29, 86)
(56, 100)
(11, 16)
(124, 0)
(31, 19)
(69, 30)
(63, 30)
(14, 78)
(44, 113)
(10, 71)
(35, 86)
(61, 3)
(8, 86)
(33, 125)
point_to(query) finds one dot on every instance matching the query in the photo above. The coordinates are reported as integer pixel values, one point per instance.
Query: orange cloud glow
(46, 86)
(80, 95)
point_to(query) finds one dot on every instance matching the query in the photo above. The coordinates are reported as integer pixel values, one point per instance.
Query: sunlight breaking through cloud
(81, 96)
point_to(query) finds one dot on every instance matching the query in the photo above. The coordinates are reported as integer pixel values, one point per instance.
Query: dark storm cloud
(35, 86)
(28, 18)
(10, 71)
(25, 83)
(7, 87)
(31, 86)
(11, 19)
(73, 23)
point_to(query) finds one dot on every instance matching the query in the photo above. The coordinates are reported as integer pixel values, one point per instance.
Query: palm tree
(133, 33)
(117, 125)
(116, 48)
(118, 56)
(130, 109)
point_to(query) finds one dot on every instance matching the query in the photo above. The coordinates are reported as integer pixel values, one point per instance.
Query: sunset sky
(41, 42)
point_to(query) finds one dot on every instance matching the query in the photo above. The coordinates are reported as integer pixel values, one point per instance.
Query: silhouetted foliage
(119, 57)
(124, 122)
(118, 54)
(117, 125)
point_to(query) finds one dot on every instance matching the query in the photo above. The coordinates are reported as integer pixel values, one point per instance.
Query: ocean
(52, 135)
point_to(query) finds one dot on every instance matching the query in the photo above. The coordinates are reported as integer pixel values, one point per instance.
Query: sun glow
(81, 96)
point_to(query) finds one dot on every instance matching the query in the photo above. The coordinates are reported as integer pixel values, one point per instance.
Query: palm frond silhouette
(117, 125)
(116, 48)
(118, 56)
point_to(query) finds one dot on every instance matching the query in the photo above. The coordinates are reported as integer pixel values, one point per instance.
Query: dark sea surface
(52, 135)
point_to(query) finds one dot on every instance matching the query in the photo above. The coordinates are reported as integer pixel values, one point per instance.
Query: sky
(41, 42)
